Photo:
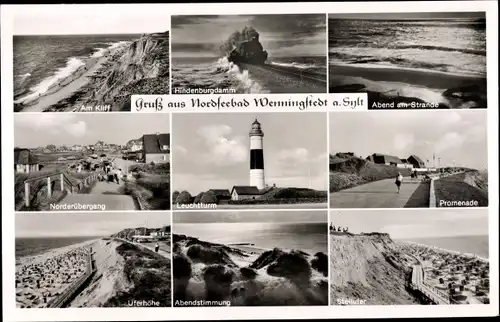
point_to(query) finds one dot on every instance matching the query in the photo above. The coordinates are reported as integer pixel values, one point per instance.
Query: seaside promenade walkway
(104, 195)
(417, 279)
(378, 194)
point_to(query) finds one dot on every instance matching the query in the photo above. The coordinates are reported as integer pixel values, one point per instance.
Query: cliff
(142, 67)
(368, 267)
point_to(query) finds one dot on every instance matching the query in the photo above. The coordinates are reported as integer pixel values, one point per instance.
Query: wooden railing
(65, 182)
(65, 298)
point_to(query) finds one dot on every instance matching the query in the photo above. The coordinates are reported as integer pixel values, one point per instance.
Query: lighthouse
(257, 156)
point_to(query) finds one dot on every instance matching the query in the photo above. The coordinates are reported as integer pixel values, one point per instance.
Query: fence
(65, 182)
(65, 298)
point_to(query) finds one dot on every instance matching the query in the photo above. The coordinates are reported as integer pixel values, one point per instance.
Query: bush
(320, 263)
(175, 194)
(198, 197)
(208, 197)
(184, 198)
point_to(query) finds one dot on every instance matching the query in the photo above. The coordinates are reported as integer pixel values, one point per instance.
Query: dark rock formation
(320, 263)
(218, 281)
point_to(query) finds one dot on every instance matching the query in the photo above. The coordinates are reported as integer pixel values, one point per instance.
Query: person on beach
(399, 180)
(157, 248)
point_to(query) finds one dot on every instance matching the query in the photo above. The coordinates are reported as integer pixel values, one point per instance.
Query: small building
(416, 161)
(244, 192)
(384, 159)
(156, 147)
(405, 164)
(25, 161)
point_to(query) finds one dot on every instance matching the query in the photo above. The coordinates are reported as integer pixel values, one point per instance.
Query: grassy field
(347, 172)
(455, 188)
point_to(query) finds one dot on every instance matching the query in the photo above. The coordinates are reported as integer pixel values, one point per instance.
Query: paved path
(104, 195)
(417, 279)
(378, 194)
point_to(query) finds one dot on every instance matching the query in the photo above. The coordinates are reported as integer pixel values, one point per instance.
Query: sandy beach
(464, 278)
(244, 275)
(42, 278)
(387, 84)
(68, 86)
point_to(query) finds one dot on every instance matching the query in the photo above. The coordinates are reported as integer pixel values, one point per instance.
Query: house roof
(246, 190)
(153, 143)
(417, 159)
(221, 192)
(388, 158)
(24, 156)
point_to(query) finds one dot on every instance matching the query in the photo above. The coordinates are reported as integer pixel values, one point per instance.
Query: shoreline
(68, 86)
(47, 254)
(454, 252)
(389, 84)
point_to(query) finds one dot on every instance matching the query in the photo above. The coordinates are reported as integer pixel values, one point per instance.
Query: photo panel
(93, 64)
(398, 159)
(249, 161)
(90, 259)
(249, 54)
(91, 162)
(250, 258)
(409, 257)
(410, 60)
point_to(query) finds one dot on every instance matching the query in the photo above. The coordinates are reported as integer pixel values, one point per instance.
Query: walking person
(399, 180)
(118, 175)
(157, 248)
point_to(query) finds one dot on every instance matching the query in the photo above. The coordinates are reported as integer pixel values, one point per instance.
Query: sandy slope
(364, 267)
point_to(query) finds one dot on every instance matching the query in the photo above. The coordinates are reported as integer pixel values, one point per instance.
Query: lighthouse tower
(257, 156)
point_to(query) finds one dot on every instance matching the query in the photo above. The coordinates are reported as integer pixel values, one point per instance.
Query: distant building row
(412, 162)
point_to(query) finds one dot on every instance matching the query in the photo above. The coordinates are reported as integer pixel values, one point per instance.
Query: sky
(415, 223)
(33, 130)
(81, 224)
(280, 35)
(199, 217)
(459, 136)
(211, 151)
(408, 15)
(74, 20)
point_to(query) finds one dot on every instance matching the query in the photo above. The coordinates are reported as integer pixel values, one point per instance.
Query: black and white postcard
(267, 258)
(249, 54)
(396, 159)
(410, 60)
(408, 257)
(246, 161)
(92, 162)
(75, 260)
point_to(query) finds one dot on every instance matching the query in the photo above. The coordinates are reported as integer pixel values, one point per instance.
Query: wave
(418, 60)
(249, 85)
(112, 45)
(295, 65)
(72, 65)
(442, 48)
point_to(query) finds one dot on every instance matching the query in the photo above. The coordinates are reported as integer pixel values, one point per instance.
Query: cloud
(180, 150)
(403, 140)
(77, 129)
(53, 124)
(451, 140)
(222, 149)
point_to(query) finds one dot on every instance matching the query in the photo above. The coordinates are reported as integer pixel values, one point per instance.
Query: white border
(125, 314)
